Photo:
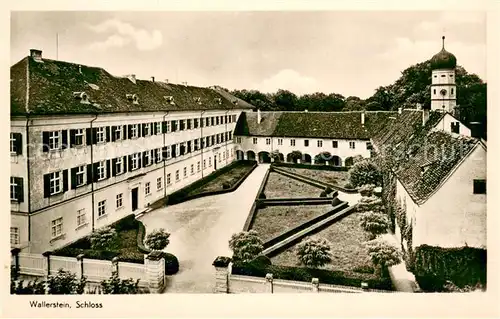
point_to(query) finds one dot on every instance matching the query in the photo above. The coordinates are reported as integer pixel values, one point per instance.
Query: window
(255, 140)
(159, 183)
(306, 143)
(147, 188)
(168, 126)
(207, 120)
(335, 144)
(158, 128)
(368, 145)
(81, 217)
(292, 142)
(57, 227)
(479, 186)
(217, 120)
(177, 175)
(134, 130)
(168, 179)
(101, 170)
(268, 141)
(118, 133)
(101, 208)
(195, 123)
(54, 140)
(192, 169)
(434, 91)
(119, 200)
(13, 189)
(55, 183)
(101, 134)
(188, 124)
(135, 161)
(80, 176)
(158, 155)
(147, 158)
(452, 91)
(210, 162)
(238, 140)
(320, 143)
(280, 141)
(79, 136)
(443, 75)
(14, 236)
(181, 125)
(198, 166)
(185, 172)
(204, 164)
(119, 166)
(212, 121)
(352, 145)
(455, 127)
(13, 143)
(147, 129)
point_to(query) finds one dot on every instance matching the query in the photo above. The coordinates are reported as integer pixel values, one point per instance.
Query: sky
(345, 52)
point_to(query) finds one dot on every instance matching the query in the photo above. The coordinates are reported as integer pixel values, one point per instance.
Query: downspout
(164, 162)
(28, 174)
(202, 144)
(225, 134)
(92, 169)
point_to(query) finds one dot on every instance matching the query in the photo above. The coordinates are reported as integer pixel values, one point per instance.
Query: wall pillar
(114, 265)
(80, 259)
(15, 256)
(315, 284)
(47, 264)
(269, 283)
(221, 265)
(155, 271)
(365, 287)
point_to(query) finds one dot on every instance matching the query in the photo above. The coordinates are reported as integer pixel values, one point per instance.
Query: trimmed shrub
(374, 222)
(296, 155)
(262, 260)
(171, 264)
(364, 269)
(262, 195)
(365, 172)
(371, 203)
(102, 238)
(246, 245)
(323, 194)
(434, 266)
(157, 239)
(328, 190)
(314, 252)
(322, 157)
(336, 201)
(226, 185)
(348, 185)
(382, 254)
(127, 223)
(366, 190)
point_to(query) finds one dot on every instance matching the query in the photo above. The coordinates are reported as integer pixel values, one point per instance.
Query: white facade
(285, 145)
(38, 226)
(452, 125)
(443, 90)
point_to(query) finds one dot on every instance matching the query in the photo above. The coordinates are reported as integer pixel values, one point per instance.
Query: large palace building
(88, 148)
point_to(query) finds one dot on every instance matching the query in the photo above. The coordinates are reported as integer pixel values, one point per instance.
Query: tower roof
(443, 60)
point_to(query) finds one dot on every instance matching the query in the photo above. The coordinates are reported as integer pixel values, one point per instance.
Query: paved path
(402, 279)
(200, 230)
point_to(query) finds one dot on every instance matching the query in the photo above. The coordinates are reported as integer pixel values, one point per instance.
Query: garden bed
(125, 247)
(230, 177)
(339, 178)
(274, 220)
(279, 186)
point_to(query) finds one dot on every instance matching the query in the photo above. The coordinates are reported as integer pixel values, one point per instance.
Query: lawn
(279, 186)
(274, 220)
(332, 177)
(231, 177)
(348, 253)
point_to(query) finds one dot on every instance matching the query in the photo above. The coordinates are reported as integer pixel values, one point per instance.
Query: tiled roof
(341, 125)
(420, 157)
(52, 84)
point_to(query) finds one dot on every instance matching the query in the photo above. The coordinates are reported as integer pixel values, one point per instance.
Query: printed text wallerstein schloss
(57, 304)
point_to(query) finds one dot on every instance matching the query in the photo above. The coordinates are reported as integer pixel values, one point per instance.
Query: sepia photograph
(247, 152)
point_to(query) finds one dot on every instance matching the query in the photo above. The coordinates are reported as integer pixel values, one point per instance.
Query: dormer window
(133, 97)
(235, 102)
(197, 100)
(170, 99)
(82, 96)
(218, 100)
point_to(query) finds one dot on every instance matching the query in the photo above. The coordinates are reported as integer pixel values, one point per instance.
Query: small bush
(226, 185)
(157, 239)
(364, 269)
(383, 254)
(323, 194)
(336, 201)
(262, 195)
(366, 190)
(314, 252)
(32, 288)
(171, 264)
(365, 172)
(348, 185)
(374, 222)
(65, 283)
(115, 285)
(371, 203)
(328, 190)
(102, 238)
(246, 245)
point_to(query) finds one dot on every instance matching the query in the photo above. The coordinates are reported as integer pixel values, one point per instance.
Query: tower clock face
(443, 92)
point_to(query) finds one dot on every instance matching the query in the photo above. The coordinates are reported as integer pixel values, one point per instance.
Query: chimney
(425, 116)
(259, 117)
(475, 129)
(152, 79)
(400, 110)
(363, 118)
(36, 55)
(79, 69)
(166, 81)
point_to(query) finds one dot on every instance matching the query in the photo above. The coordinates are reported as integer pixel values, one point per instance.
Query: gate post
(15, 254)
(221, 265)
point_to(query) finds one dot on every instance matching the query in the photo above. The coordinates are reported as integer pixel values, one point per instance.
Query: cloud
(126, 33)
(288, 79)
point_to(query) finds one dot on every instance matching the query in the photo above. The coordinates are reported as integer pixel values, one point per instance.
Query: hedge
(433, 266)
(256, 203)
(332, 277)
(183, 194)
(313, 166)
(315, 183)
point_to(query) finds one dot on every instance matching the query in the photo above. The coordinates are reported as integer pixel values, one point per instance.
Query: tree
(102, 238)
(275, 155)
(65, 283)
(115, 285)
(314, 252)
(354, 103)
(285, 100)
(295, 155)
(322, 157)
(246, 245)
(382, 254)
(365, 172)
(157, 239)
(375, 223)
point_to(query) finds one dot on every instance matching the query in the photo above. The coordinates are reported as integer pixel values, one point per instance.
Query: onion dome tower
(443, 88)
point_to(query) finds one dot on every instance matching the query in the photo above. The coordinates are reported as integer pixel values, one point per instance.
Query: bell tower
(443, 87)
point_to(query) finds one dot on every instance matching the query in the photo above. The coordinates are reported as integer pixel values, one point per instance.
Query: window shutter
(73, 178)
(65, 180)
(46, 185)
(130, 163)
(113, 130)
(108, 135)
(164, 152)
(72, 138)
(129, 131)
(139, 130)
(45, 141)
(113, 167)
(172, 126)
(143, 129)
(154, 128)
(95, 166)
(140, 163)
(94, 135)
(20, 189)
(144, 158)
(64, 134)
(19, 143)
(124, 132)
(124, 163)
(88, 137)
(90, 174)
(164, 127)
(108, 169)
(172, 152)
